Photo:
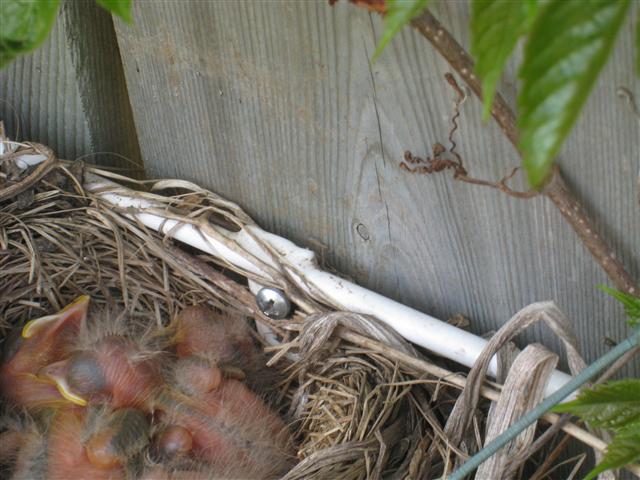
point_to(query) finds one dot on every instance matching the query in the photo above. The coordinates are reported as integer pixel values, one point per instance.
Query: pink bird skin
(224, 339)
(230, 426)
(54, 450)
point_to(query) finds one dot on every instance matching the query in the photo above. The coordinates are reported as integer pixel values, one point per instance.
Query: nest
(362, 402)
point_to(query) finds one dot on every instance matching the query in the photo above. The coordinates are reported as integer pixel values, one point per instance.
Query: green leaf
(630, 302)
(122, 8)
(496, 26)
(399, 13)
(25, 25)
(569, 44)
(611, 405)
(623, 450)
(614, 405)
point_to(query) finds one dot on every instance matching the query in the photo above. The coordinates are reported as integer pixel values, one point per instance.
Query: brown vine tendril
(438, 163)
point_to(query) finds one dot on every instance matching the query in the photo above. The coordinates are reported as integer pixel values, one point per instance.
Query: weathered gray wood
(276, 106)
(70, 94)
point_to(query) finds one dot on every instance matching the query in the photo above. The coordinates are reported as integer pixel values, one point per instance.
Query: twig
(556, 189)
(551, 457)
(573, 212)
(618, 364)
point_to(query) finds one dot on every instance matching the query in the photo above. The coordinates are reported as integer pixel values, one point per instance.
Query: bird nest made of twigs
(360, 401)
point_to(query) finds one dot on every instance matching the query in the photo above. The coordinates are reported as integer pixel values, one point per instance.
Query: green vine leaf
(121, 8)
(569, 44)
(623, 450)
(25, 25)
(399, 13)
(614, 405)
(496, 26)
(611, 405)
(630, 302)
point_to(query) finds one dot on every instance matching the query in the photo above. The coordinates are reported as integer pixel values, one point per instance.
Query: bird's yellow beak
(55, 373)
(75, 311)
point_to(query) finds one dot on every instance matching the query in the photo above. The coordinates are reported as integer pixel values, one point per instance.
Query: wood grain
(275, 105)
(70, 94)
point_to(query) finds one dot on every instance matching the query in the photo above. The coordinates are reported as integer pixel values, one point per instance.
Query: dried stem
(33, 177)
(546, 437)
(550, 458)
(459, 380)
(556, 189)
(437, 163)
(573, 212)
(618, 364)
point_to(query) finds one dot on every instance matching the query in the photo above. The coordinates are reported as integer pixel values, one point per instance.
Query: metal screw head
(273, 303)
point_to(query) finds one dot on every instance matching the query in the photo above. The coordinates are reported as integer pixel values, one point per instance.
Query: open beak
(56, 374)
(75, 313)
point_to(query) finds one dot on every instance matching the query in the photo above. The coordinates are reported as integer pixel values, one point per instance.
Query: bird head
(112, 371)
(40, 342)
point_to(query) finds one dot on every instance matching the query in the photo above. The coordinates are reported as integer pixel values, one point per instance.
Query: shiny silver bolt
(273, 303)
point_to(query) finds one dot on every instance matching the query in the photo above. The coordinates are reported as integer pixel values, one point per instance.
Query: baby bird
(67, 456)
(53, 449)
(173, 443)
(37, 344)
(22, 450)
(112, 361)
(105, 380)
(112, 370)
(195, 471)
(114, 439)
(192, 471)
(229, 427)
(224, 339)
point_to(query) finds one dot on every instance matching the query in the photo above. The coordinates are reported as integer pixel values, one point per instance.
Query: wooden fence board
(275, 105)
(71, 94)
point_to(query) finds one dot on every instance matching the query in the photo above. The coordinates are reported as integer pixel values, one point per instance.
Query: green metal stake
(576, 382)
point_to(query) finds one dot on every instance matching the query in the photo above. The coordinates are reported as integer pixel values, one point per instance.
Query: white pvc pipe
(184, 232)
(27, 160)
(439, 337)
(436, 336)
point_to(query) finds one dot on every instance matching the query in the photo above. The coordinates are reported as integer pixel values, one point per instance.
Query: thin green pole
(576, 382)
